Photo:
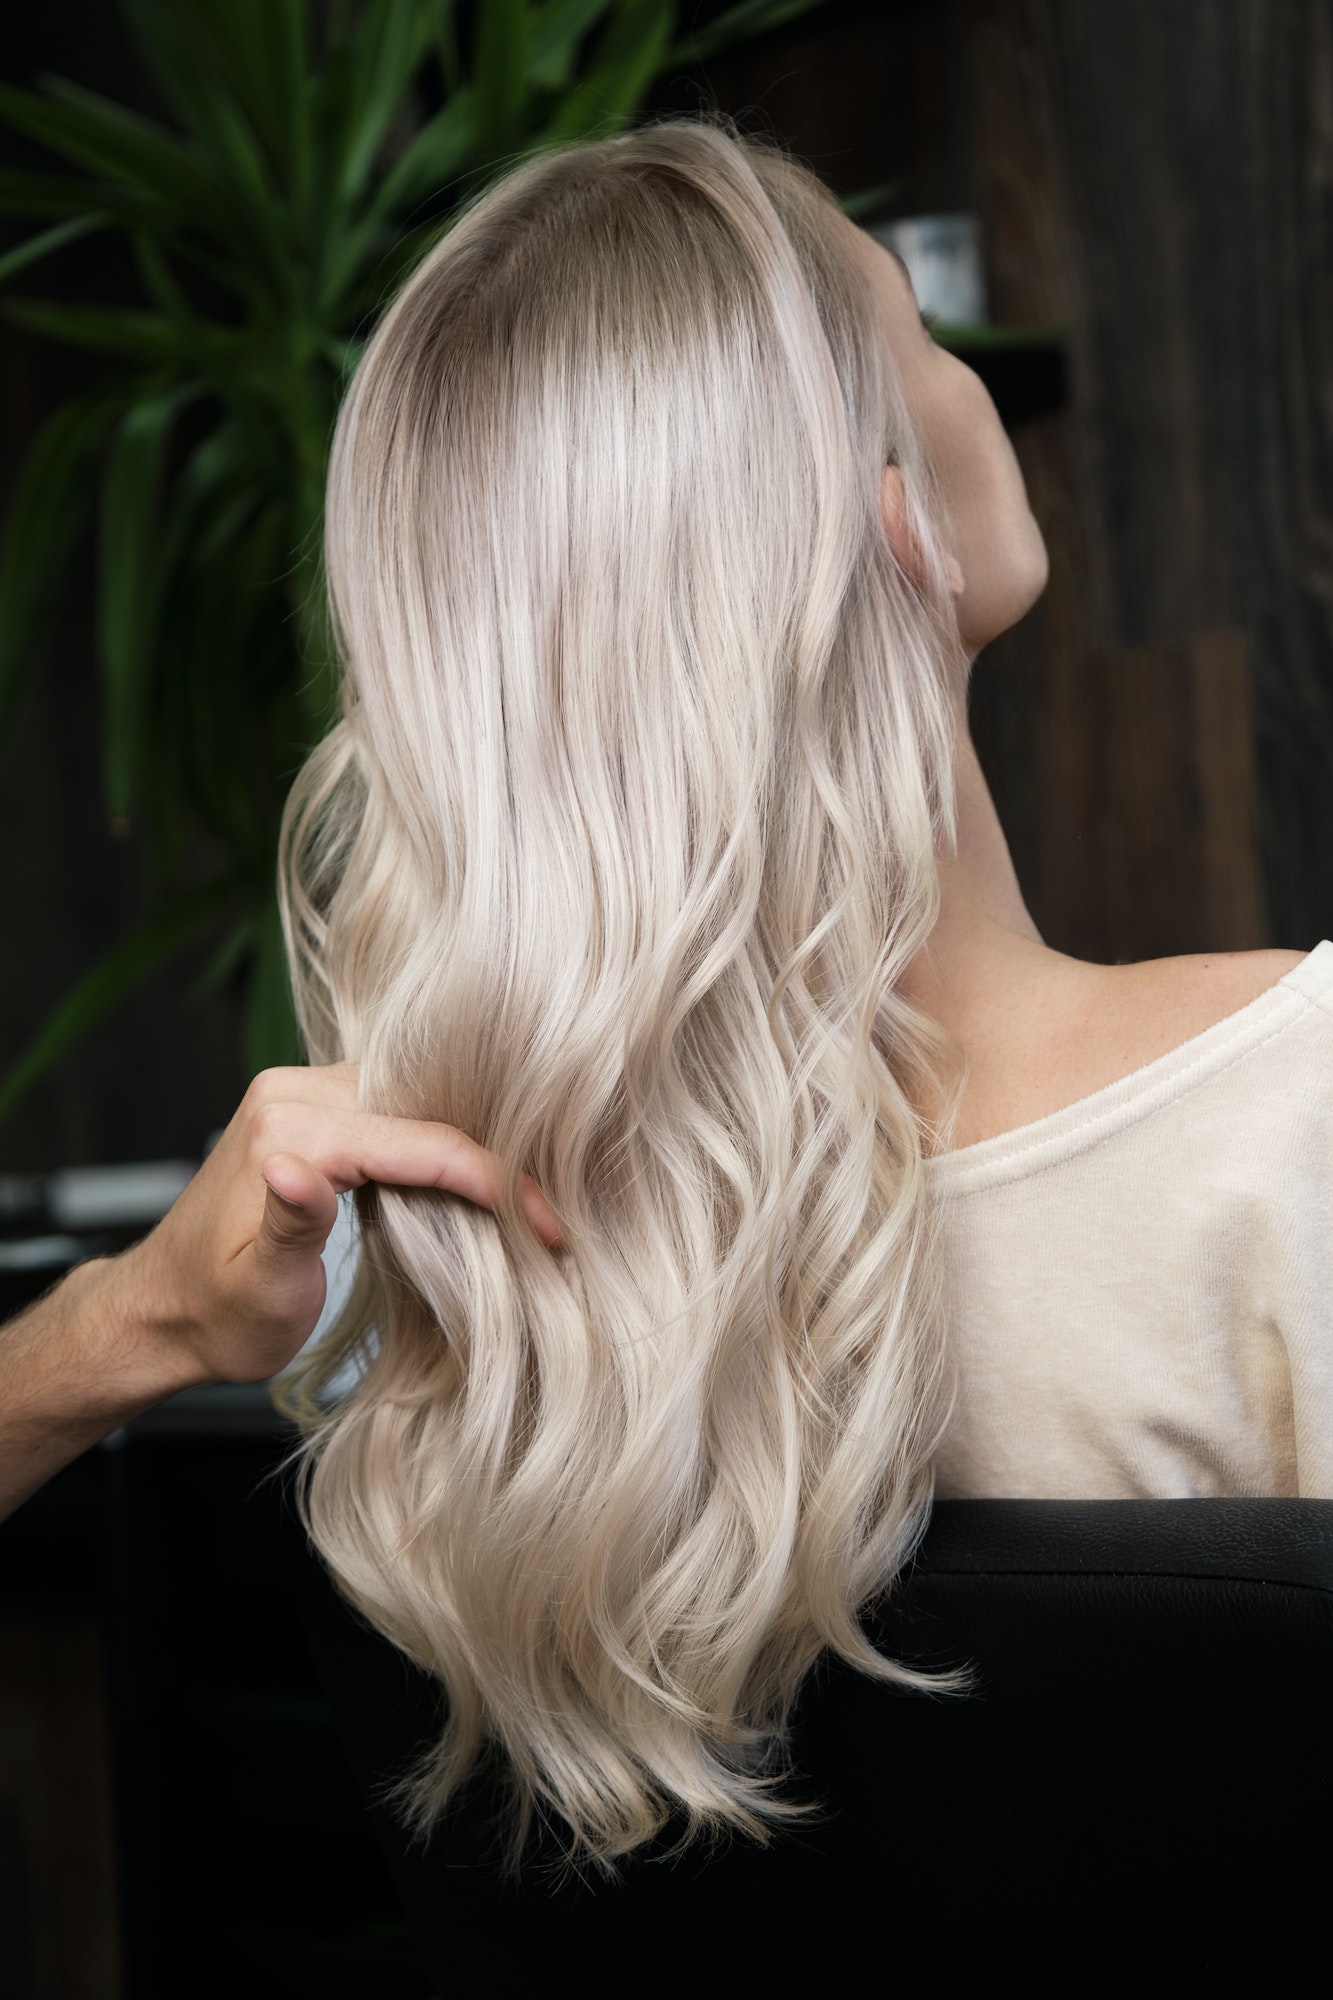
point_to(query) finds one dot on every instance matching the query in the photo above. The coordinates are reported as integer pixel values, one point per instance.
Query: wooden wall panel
(1232, 890)
(1295, 688)
(1160, 171)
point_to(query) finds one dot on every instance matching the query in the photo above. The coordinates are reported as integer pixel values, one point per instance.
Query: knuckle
(272, 1085)
(270, 1128)
(260, 1089)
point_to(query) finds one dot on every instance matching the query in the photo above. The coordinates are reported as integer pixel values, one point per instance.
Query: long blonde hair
(625, 838)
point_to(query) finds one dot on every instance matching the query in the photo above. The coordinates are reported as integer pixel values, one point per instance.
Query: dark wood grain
(1160, 173)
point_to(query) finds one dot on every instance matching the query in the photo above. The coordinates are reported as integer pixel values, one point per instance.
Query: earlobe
(893, 513)
(907, 550)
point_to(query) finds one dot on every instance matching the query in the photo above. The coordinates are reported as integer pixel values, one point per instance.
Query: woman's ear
(893, 511)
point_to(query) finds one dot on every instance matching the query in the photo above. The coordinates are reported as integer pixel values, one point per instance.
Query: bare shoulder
(1063, 1028)
(1099, 1023)
(1166, 1000)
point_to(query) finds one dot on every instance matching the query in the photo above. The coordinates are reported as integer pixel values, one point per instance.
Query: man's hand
(230, 1284)
(233, 1271)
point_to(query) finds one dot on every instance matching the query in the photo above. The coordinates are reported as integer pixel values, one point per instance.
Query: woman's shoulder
(1156, 1006)
(1077, 1027)
(1172, 999)
(1151, 1007)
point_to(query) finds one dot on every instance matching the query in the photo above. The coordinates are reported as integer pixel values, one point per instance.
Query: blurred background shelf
(1025, 372)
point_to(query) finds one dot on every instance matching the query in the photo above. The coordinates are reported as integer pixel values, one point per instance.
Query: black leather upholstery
(1143, 1778)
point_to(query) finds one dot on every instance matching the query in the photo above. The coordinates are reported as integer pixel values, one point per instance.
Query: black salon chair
(1138, 1789)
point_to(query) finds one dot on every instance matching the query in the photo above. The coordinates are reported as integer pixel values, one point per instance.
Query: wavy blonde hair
(614, 861)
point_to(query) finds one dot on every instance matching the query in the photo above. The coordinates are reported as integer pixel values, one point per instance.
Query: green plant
(318, 150)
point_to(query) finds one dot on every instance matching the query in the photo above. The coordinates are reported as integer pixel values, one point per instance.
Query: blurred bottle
(943, 257)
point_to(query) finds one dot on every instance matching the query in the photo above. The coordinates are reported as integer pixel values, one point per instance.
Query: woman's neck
(985, 932)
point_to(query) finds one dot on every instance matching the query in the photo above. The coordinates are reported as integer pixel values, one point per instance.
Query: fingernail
(542, 1217)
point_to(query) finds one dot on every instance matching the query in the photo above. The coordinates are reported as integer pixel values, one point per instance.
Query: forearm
(76, 1366)
(230, 1284)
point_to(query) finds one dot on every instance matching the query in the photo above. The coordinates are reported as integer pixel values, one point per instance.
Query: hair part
(619, 851)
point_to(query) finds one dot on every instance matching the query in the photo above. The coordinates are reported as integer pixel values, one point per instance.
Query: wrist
(136, 1351)
(78, 1364)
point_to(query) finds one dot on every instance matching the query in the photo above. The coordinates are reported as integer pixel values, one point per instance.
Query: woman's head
(631, 414)
(999, 561)
(628, 832)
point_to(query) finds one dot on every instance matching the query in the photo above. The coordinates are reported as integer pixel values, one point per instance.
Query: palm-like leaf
(49, 508)
(303, 176)
(172, 928)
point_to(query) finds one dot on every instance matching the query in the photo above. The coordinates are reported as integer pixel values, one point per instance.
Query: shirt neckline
(1027, 1148)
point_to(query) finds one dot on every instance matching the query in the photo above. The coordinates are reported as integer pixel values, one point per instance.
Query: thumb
(300, 1208)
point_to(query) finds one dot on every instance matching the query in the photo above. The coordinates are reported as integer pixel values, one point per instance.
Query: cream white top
(1140, 1285)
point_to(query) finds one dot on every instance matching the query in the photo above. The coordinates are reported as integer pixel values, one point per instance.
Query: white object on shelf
(42, 1253)
(116, 1197)
(943, 258)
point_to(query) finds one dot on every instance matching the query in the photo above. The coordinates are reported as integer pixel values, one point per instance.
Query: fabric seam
(1101, 1124)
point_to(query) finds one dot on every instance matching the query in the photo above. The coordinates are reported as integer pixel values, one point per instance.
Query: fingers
(285, 1283)
(352, 1148)
(300, 1208)
(412, 1152)
(308, 1118)
(540, 1214)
